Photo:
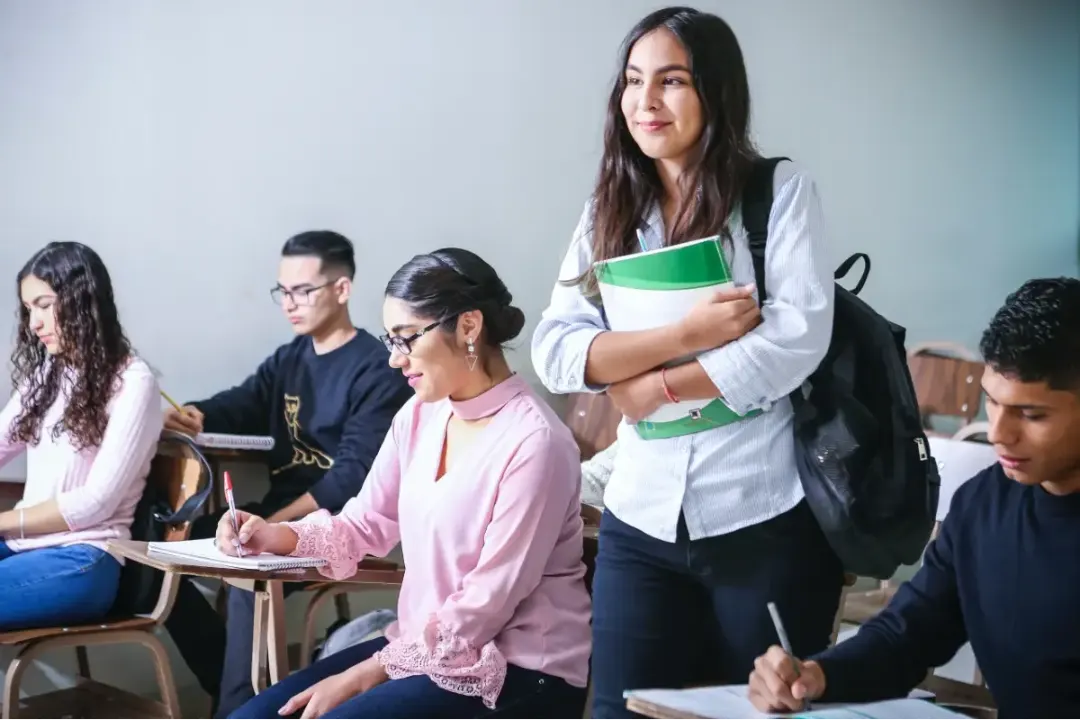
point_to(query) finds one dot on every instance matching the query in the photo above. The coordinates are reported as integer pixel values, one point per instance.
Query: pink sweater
(492, 549)
(98, 488)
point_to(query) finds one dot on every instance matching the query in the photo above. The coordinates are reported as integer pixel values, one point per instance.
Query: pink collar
(490, 401)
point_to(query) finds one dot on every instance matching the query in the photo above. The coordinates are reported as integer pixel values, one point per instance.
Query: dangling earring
(471, 357)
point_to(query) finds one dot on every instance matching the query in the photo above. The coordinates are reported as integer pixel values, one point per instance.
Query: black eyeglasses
(403, 344)
(297, 297)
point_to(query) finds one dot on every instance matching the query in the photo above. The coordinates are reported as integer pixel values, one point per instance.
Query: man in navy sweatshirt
(1004, 572)
(327, 398)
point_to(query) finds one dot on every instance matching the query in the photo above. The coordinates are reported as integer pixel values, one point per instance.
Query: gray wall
(186, 141)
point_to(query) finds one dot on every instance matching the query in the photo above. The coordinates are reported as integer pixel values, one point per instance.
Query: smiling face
(1035, 431)
(40, 302)
(659, 103)
(434, 361)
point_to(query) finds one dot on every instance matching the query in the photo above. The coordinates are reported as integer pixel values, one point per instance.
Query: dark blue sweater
(328, 415)
(1004, 574)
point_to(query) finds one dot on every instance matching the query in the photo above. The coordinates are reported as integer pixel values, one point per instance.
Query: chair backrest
(594, 421)
(947, 380)
(176, 474)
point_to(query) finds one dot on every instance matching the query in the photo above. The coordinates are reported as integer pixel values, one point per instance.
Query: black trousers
(694, 612)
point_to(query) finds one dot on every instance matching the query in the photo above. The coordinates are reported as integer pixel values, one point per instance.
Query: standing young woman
(88, 415)
(701, 530)
(480, 482)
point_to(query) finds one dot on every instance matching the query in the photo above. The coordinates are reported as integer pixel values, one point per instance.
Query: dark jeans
(56, 586)
(525, 694)
(199, 631)
(672, 615)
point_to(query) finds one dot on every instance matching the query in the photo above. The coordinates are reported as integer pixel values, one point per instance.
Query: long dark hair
(628, 182)
(443, 284)
(93, 348)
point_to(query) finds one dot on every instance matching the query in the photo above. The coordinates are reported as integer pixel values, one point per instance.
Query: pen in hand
(784, 642)
(232, 512)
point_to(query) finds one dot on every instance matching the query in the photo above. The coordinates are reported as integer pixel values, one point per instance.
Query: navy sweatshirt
(1004, 574)
(328, 415)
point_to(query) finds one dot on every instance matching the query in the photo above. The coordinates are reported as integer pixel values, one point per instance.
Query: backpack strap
(757, 201)
(187, 511)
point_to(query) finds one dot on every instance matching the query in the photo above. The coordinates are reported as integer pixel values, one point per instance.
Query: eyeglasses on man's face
(301, 295)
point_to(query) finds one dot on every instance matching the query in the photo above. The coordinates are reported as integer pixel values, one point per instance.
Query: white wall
(186, 140)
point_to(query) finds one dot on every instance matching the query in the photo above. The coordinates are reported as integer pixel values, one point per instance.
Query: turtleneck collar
(491, 400)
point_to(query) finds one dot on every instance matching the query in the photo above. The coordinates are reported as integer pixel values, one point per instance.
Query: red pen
(232, 512)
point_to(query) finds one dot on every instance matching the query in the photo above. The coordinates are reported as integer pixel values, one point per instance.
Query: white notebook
(731, 701)
(235, 442)
(204, 553)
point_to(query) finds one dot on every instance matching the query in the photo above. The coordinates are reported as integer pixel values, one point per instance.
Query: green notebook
(658, 287)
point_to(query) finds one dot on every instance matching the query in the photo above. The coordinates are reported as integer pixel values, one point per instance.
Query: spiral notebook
(204, 553)
(234, 442)
(731, 701)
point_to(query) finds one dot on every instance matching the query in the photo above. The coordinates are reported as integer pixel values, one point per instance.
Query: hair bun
(508, 325)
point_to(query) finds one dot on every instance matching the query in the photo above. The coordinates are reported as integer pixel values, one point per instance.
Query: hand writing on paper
(638, 397)
(724, 316)
(255, 536)
(324, 696)
(189, 422)
(776, 686)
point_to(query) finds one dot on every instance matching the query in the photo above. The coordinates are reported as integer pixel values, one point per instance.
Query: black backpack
(140, 585)
(862, 454)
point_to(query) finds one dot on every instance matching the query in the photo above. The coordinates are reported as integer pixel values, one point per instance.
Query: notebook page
(730, 703)
(205, 553)
(235, 442)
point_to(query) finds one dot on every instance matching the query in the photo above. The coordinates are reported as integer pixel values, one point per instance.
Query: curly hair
(93, 348)
(1035, 336)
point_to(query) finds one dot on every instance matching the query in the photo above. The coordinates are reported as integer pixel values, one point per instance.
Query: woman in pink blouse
(87, 414)
(480, 483)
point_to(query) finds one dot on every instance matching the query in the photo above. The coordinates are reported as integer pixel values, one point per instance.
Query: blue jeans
(673, 615)
(56, 586)
(525, 694)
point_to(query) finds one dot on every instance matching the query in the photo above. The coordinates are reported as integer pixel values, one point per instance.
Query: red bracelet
(671, 397)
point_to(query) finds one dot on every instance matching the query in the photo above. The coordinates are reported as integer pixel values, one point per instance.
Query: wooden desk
(269, 645)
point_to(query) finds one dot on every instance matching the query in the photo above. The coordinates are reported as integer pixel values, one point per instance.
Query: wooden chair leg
(12, 683)
(341, 604)
(165, 680)
(83, 660)
(307, 640)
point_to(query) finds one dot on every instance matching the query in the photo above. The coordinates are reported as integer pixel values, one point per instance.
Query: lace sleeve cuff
(452, 662)
(319, 536)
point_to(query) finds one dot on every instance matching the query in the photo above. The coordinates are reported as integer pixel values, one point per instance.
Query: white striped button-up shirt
(741, 474)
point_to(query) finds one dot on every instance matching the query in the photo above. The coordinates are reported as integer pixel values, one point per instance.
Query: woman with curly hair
(87, 413)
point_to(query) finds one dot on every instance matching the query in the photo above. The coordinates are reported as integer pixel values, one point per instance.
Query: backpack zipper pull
(922, 449)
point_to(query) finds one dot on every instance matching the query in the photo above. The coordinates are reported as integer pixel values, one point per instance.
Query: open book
(204, 553)
(731, 701)
(234, 442)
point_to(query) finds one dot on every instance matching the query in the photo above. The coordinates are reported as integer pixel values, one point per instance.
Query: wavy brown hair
(711, 184)
(93, 347)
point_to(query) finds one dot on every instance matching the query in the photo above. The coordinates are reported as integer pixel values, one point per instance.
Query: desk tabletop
(369, 571)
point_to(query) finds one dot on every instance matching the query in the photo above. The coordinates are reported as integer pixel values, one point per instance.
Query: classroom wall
(187, 141)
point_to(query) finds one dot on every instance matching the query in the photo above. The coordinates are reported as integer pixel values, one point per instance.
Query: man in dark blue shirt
(1004, 571)
(328, 399)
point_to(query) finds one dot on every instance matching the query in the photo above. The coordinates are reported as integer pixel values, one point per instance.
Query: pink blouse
(96, 488)
(492, 549)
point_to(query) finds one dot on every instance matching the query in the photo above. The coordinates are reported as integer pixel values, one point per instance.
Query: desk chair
(947, 382)
(176, 470)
